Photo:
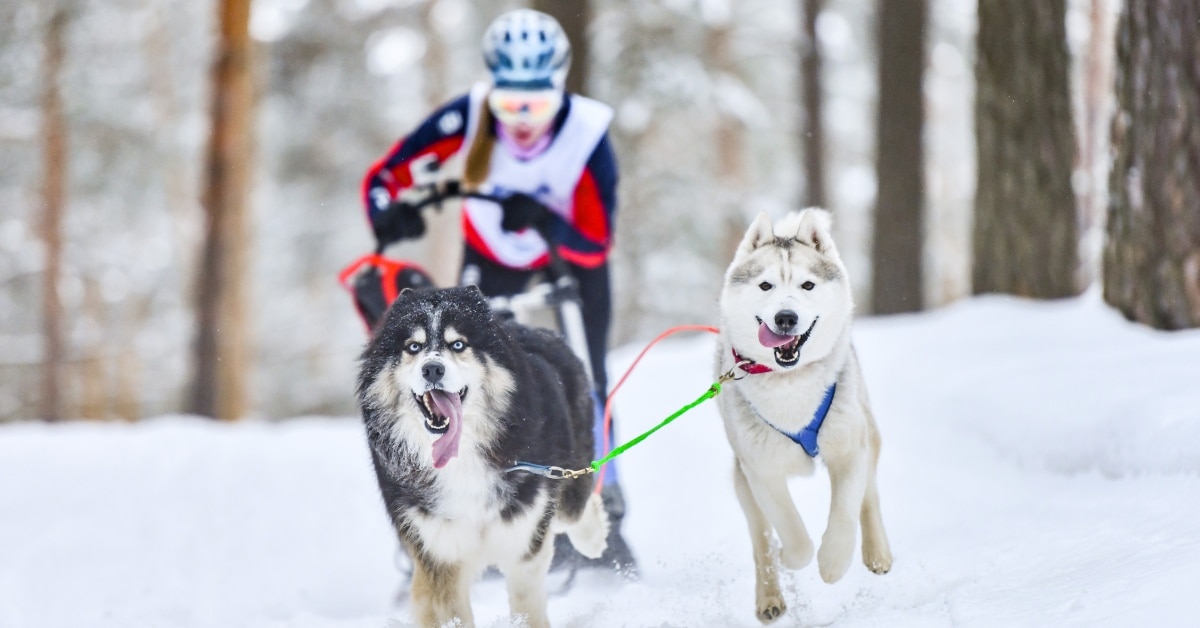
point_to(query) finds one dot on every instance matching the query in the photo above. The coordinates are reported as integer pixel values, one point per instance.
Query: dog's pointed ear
(758, 234)
(816, 229)
(474, 291)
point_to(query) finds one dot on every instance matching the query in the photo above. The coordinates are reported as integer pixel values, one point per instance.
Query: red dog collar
(748, 365)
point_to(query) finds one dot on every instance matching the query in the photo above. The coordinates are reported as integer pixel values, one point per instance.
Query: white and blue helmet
(526, 49)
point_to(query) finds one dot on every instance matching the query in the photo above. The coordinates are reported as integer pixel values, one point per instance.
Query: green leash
(559, 473)
(708, 394)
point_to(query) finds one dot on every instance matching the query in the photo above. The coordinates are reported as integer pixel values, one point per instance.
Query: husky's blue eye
(458, 346)
(413, 347)
(808, 285)
(764, 286)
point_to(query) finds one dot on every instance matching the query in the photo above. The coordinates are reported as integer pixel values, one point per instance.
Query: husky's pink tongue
(445, 447)
(771, 339)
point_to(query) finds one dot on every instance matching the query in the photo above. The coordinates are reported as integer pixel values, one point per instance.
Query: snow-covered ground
(1041, 467)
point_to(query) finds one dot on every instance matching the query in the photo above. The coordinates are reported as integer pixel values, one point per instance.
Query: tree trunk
(1026, 233)
(810, 85)
(1152, 256)
(54, 183)
(729, 137)
(897, 249)
(219, 385)
(89, 372)
(575, 16)
(442, 245)
(1094, 113)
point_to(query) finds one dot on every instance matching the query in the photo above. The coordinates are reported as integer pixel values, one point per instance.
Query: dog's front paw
(770, 607)
(796, 555)
(590, 534)
(878, 561)
(834, 557)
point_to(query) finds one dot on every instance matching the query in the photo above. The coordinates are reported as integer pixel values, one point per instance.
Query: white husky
(786, 310)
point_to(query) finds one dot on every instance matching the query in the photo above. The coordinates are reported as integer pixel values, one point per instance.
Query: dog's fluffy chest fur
(746, 415)
(467, 525)
(788, 401)
(468, 488)
(467, 521)
(759, 408)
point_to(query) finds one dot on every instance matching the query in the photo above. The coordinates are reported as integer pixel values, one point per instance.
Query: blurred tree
(729, 133)
(810, 85)
(575, 16)
(898, 241)
(442, 244)
(219, 380)
(1093, 115)
(54, 183)
(1152, 255)
(1026, 233)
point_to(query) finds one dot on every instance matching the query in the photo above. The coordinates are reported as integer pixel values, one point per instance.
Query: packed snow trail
(1040, 467)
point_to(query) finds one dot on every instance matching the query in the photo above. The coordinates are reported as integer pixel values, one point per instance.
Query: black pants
(496, 280)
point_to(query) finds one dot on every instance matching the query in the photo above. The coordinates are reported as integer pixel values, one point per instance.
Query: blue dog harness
(807, 436)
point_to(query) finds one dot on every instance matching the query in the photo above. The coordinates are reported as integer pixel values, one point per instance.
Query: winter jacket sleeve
(436, 139)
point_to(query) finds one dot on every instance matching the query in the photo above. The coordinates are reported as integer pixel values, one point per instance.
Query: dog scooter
(375, 280)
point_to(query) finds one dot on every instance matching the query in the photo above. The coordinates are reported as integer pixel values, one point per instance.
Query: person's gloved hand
(398, 221)
(521, 211)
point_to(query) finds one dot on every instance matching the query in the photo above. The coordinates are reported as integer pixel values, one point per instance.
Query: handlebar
(453, 189)
(561, 289)
(450, 189)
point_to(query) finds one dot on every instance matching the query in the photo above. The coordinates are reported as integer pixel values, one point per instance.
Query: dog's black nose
(433, 372)
(786, 320)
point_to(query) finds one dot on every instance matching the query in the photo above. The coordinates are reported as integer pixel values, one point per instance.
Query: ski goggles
(523, 106)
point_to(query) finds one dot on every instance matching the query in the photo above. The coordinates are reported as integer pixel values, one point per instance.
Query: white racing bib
(551, 177)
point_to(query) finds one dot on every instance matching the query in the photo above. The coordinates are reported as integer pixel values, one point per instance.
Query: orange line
(609, 402)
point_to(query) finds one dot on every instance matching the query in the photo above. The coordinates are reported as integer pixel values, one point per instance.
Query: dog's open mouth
(443, 417)
(787, 347)
(438, 406)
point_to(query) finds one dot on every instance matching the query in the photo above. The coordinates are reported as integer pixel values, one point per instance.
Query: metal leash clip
(568, 474)
(732, 374)
(554, 473)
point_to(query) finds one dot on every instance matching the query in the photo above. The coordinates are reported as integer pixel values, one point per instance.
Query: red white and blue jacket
(575, 176)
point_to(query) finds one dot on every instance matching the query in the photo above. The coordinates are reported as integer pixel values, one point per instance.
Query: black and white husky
(786, 310)
(451, 397)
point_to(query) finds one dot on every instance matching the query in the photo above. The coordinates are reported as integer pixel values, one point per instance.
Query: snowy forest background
(106, 122)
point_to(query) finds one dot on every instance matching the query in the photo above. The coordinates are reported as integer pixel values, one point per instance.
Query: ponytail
(479, 154)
